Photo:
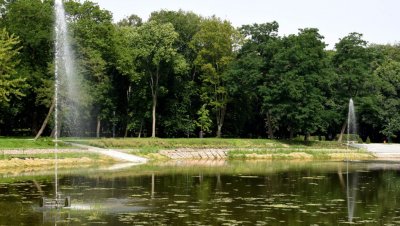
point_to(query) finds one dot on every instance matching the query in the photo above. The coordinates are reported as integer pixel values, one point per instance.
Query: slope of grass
(157, 143)
(26, 143)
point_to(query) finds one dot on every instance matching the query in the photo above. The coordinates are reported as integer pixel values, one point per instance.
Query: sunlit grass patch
(306, 154)
(26, 143)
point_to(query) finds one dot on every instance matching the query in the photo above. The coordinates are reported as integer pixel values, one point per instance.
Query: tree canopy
(180, 74)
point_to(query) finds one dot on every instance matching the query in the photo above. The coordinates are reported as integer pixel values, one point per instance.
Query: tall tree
(352, 62)
(32, 22)
(294, 86)
(155, 51)
(215, 45)
(250, 72)
(93, 33)
(389, 116)
(179, 105)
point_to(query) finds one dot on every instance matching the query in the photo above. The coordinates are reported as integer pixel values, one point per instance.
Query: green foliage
(10, 85)
(204, 122)
(214, 44)
(32, 23)
(153, 48)
(255, 82)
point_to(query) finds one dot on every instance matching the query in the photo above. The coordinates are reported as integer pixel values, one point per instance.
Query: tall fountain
(65, 92)
(351, 124)
(68, 86)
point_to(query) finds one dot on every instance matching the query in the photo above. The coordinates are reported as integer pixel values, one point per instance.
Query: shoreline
(21, 158)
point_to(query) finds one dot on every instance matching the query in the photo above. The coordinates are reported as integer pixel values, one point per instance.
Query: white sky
(378, 20)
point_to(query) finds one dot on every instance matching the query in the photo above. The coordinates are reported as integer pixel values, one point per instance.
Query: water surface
(211, 193)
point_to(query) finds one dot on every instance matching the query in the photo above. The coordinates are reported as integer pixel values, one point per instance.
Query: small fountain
(351, 124)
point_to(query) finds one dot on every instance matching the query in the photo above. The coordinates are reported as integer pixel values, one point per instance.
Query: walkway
(381, 151)
(112, 153)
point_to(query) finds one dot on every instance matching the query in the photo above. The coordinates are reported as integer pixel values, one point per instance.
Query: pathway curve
(381, 151)
(112, 153)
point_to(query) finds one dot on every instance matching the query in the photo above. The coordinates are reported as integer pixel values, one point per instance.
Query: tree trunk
(270, 130)
(219, 131)
(153, 127)
(126, 131)
(46, 120)
(342, 131)
(291, 133)
(98, 127)
(201, 134)
(307, 137)
(140, 130)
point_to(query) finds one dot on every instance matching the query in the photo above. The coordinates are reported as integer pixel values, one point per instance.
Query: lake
(209, 193)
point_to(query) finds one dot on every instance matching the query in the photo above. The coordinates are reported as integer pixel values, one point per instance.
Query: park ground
(23, 152)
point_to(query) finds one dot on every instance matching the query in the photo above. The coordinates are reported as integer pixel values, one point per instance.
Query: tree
(155, 51)
(250, 72)
(93, 34)
(32, 22)
(215, 44)
(389, 116)
(178, 105)
(352, 62)
(203, 122)
(131, 21)
(10, 84)
(293, 88)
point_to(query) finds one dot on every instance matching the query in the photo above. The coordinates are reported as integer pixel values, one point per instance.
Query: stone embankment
(188, 153)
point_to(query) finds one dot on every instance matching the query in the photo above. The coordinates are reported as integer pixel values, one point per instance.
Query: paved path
(112, 153)
(382, 151)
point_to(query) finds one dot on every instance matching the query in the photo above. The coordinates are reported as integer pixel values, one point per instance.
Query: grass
(238, 148)
(171, 143)
(308, 154)
(49, 156)
(26, 143)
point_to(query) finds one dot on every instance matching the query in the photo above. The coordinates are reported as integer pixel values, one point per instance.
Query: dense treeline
(180, 75)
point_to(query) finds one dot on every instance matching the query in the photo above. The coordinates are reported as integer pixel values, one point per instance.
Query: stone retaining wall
(187, 153)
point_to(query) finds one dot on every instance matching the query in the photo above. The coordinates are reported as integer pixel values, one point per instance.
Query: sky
(377, 20)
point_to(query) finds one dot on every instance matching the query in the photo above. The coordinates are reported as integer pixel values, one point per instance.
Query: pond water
(210, 193)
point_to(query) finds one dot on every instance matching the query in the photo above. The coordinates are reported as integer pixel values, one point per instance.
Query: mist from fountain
(351, 123)
(68, 95)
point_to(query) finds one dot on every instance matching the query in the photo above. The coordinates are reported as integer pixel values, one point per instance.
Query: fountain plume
(351, 123)
(68, 93)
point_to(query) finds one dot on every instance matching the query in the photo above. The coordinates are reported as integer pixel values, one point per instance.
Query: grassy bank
(18, 153)
(148, 147)
(28, 143)
(238, 148)
(306, 154)
(170, 143)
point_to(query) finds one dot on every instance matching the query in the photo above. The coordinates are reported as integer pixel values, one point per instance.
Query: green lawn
(170, 143)
(49, 155)
(28, 143)
(239, 148)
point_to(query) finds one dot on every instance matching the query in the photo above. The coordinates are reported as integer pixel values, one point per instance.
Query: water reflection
(351, 192)
(235, 193)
